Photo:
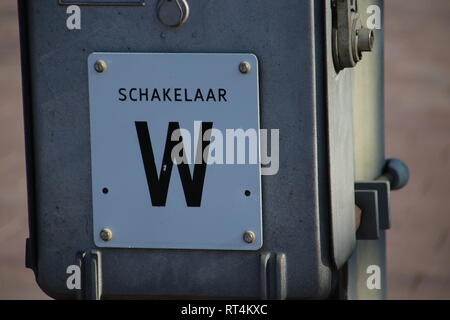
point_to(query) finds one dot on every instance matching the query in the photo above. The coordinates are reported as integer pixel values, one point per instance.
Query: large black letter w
(158, 187)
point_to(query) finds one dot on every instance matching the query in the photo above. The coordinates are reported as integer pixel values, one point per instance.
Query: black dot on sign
(105, 190)
(248, 193)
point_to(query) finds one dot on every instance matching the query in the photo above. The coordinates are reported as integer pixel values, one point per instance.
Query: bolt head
(173, 14)
(100, 66)
(366, 39)
(249, 237)
(106, 234)
(245, 67)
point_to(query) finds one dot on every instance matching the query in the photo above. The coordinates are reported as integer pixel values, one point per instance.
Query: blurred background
(417, 131)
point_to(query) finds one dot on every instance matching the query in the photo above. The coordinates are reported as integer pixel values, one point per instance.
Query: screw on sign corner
(106, 234)
(249, 237)
(100, 66)
(245, 67)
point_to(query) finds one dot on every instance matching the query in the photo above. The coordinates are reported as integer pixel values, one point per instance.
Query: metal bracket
(273, 276)
(382, 190)
(350, 37)
(373, 199)
(91, 275)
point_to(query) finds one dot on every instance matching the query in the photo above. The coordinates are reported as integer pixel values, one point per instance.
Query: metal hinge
(350, 37)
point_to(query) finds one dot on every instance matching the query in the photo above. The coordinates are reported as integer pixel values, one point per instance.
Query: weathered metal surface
(295, 204)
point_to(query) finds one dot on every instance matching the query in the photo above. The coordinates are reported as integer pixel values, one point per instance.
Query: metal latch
(372, 198)
(350, 37)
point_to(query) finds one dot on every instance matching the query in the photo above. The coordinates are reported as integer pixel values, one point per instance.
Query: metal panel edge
(341, 192)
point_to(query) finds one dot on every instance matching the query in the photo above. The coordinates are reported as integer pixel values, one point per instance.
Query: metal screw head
(249, 236)
(100, 66)
(106, 234)
(245, 67)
